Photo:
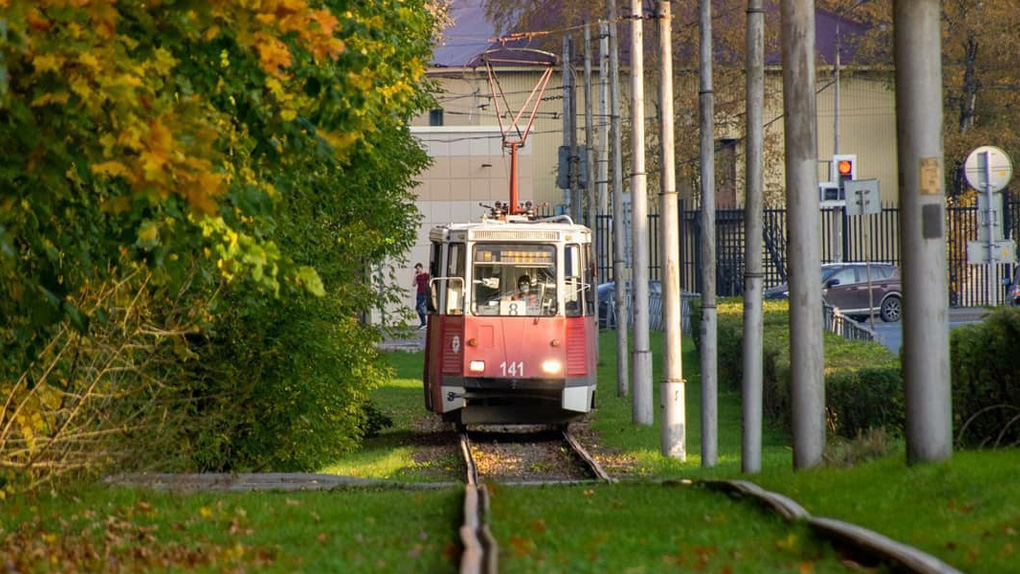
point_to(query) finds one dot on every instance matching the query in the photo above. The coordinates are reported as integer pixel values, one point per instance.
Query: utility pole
(642, 358)
(751, 386)
(589, 169)
(576, 207)
(603, 123)
(589, 157)
(671, 390)
(806, 347)
(619, 229)
(917, 49)
(709, 348)
(570, 128)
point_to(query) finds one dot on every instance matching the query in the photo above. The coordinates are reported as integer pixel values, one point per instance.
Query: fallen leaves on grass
(122, 542)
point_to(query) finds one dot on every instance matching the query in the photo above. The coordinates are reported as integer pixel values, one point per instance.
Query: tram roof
(550, 229)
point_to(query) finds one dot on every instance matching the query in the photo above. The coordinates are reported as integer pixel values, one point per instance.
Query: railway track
(481, 552)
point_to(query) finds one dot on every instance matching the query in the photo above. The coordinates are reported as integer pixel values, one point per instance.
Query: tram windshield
(514, 279)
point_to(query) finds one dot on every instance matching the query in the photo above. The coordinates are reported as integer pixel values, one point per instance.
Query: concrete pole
(589, 138)
(642, 357)
(835, 91)
(576, 204)
(806, 346)
(603, 137)
(917, 48)
(837, 223)
(568, 128)
(751, 386)
(589, 141)
(619, 229)
(709, 347)
(672, 388)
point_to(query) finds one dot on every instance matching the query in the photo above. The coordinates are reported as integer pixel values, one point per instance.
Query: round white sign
(988, 166)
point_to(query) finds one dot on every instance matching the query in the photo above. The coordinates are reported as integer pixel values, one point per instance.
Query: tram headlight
(476, 366)
(551, 366)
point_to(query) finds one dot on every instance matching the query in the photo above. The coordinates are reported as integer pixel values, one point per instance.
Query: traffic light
(844, 169)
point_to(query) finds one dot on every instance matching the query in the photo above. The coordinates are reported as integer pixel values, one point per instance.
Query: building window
(436, 117)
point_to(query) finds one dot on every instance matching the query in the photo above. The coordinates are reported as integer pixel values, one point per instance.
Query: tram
(512, 326)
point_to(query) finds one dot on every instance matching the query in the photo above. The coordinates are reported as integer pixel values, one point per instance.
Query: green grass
(119, 530)
(614, 417)
(965, 511)
(389, 455)
(639, 528)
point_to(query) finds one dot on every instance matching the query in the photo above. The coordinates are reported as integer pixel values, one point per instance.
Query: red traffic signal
(845, 167)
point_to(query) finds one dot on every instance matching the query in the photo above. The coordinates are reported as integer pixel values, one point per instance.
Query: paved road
(891, 334)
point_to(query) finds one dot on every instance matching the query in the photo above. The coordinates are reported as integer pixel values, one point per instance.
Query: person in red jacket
(421, 283)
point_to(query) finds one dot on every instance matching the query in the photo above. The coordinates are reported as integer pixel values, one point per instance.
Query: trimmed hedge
(856, 398)
(985, 370)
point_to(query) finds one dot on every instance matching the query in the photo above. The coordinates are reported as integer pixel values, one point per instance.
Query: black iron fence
(872, 238)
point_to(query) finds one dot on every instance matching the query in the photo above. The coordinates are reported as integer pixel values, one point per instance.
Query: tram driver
(525, 300)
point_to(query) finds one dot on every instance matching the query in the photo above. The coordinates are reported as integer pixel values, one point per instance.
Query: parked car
(845, 286)
(607, 307)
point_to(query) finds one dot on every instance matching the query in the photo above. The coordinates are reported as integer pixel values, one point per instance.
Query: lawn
(966, 511)
(133, 531)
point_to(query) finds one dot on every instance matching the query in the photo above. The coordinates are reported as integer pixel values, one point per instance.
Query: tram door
(446, 313)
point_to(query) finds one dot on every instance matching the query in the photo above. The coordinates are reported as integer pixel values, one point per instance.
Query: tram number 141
(512, 369)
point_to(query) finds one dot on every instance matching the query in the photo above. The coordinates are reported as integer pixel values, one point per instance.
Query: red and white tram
(511, 330)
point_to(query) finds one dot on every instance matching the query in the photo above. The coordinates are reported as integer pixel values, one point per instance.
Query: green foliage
(252, 162)
(856, 398)
(985, 369)
(285, 383)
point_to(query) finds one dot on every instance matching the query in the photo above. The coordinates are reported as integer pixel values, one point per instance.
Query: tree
(233, 158)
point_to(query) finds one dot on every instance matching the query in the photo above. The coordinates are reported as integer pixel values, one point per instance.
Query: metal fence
(655, 320)
(872, 238)
(840, 324)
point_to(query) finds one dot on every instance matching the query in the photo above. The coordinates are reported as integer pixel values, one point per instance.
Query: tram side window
(455, 266)
(576, 285)
(589, 280)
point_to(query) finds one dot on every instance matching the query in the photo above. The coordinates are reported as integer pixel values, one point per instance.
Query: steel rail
(480, 550)
(585, 456)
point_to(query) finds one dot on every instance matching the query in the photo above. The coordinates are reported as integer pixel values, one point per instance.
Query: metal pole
(871, 290)
(806, 349)
(709, 349)
(619, 235)
(918, 49)
(991, 216)
(751, 386)
(642, 357)
(568, 128)
(672, 388)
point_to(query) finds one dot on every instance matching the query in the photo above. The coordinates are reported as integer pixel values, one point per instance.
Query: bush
(285, 385)
(856, 399)
(985, 370)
